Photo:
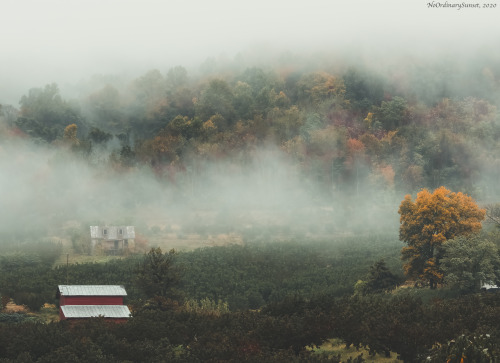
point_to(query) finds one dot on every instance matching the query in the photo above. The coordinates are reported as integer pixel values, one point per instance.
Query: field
(335, 347)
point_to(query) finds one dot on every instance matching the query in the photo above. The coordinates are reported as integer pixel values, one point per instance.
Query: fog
(69, 42)
(45, 191)
(65, 42)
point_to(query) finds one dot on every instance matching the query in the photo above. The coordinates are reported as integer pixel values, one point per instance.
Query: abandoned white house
(111, 239)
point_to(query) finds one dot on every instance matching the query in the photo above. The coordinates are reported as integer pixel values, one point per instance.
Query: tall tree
(381, 278)
(363, 89)
(217, 98)
(104, 107)
(354, 162)
(176, 78)
(9, 114)
(428, 222)
(393, 114)
(70, 134)
(157, 275)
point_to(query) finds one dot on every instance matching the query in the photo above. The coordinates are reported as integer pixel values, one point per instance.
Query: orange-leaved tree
(428, 222)
(70, 134)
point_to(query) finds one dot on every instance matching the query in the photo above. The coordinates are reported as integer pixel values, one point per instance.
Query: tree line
(345, 129)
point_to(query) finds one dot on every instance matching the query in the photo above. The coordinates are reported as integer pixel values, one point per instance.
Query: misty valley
(302, 210)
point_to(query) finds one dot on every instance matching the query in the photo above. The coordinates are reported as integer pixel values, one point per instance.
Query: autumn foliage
(70, 134)
(428, 222)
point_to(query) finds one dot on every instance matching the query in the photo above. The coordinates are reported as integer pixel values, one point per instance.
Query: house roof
(489, 286)
(91, 290)
(90, 311)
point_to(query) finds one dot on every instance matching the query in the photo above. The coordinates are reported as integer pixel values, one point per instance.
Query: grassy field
(335, 347)
(165, 240)
(47, 314)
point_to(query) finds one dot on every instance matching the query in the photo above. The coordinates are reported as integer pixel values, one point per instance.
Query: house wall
(115, 247)
(91, 300)
(112, 232)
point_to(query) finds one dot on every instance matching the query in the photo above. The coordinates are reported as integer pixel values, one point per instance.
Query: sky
(66, 41)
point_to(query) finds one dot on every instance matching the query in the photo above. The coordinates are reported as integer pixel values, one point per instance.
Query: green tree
(157, 275)
(362, 89)
(470, 261)
(104, 107)
(243, 102)
(145, 109)
(393, 114)
(428, 222)
(217, 98)
(380, 278)
(99, 136)
(9, 114)
(176, 78)
(127, 156)
(44, 114)
(493, 214)
(467, 348)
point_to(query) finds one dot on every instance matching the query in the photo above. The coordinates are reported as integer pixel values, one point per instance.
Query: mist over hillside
(314, 119)
(44, 189)
(57, 42)
(298, 148)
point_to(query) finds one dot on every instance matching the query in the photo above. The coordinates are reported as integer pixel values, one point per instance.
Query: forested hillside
(344, 127)
(299, 144)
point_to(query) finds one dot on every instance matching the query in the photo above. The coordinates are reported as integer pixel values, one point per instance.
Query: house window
(120, 231)
(104, 231)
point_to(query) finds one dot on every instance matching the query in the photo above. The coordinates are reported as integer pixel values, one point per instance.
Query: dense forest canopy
(292, 134)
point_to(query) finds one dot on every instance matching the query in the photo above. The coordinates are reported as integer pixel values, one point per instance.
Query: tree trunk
(432, 284)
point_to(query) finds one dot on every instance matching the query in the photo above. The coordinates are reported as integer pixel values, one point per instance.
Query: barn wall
(75, 322)
(91, 300)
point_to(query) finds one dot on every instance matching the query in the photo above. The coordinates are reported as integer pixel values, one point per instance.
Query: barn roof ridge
(92, 290)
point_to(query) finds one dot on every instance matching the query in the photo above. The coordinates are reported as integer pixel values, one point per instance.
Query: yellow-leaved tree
(427, 223)
(70, 134)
